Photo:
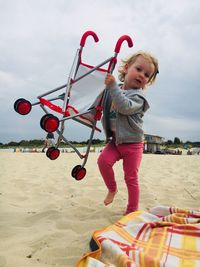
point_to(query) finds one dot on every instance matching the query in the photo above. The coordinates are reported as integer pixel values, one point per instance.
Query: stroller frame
(51, 123)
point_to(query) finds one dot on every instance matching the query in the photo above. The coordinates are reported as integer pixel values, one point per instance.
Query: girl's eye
(138, 69)
(146, 75)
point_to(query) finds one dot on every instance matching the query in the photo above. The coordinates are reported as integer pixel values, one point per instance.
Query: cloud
(172, 126)
(39, 40)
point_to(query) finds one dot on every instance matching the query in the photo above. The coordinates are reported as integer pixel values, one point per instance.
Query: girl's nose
(141, 75)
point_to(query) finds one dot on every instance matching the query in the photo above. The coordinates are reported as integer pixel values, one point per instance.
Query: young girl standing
(122, 122)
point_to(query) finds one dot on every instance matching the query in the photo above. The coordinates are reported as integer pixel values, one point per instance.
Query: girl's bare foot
(109, 198)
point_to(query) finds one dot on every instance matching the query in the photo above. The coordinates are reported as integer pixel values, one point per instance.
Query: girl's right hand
(109, 80)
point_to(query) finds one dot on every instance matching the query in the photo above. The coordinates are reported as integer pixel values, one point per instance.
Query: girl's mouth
(138, 81)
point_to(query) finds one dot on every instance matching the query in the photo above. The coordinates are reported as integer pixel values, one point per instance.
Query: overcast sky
(39, 39)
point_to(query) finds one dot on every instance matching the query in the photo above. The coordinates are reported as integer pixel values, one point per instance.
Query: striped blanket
(165, 236)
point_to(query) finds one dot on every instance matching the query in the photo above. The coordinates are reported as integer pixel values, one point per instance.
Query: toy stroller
(84, 81)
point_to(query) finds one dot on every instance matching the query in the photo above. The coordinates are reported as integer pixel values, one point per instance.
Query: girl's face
(138, 74)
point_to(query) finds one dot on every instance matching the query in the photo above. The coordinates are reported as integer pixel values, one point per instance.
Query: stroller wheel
(74, 170)
(22, 106)
(78, 172)
(43, 119)
(49, 123)
(53, 153)
(17, 102)
(49, 150)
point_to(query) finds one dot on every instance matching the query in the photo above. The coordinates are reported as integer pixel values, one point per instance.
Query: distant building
(153, 143)
(195, 150)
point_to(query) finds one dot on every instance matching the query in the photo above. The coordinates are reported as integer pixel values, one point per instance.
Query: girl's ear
(125, 69)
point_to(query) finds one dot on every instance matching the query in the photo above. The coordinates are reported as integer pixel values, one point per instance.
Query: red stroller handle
(121, 40)
(85, 35)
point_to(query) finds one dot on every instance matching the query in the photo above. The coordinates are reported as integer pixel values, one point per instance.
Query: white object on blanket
(160, 211)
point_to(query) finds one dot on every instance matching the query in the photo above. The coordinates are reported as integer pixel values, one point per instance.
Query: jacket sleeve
(125, 105)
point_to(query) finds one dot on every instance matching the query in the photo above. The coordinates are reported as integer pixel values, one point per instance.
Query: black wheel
(74, 170)
(17, 102)
(49, 123)
(49, 150)
(43, 119)
(93, 245)
(22, 106)
(78, 172)
(53, 153)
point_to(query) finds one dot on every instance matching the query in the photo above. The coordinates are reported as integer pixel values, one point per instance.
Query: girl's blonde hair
(133, 58)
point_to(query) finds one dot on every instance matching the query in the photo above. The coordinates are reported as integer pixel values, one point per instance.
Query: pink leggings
(131, 154)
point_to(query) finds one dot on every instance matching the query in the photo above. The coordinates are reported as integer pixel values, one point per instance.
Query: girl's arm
(124, 105)
(128, 103)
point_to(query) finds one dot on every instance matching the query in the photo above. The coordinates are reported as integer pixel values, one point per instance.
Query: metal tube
(66, 141)
(51, 99)
(72, 146)
(52, 91)
(76, 80)
(76, 115)
(93, 69)
(89, 145)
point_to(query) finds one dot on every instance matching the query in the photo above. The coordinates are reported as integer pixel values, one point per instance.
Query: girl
(122, 122)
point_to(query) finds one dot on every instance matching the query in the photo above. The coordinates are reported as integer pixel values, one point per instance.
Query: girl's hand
(109, 80)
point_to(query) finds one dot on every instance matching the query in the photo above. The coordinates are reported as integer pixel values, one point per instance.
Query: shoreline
(97, 149)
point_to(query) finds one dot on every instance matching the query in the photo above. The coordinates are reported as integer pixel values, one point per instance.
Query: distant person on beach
(122, 121)
(49, 141)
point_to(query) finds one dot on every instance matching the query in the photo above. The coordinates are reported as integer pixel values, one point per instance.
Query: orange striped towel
(166, 236)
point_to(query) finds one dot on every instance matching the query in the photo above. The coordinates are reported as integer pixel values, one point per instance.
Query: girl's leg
(132, 155)
(106, 160)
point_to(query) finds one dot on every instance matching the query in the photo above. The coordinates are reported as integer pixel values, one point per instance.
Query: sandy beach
(47, 218)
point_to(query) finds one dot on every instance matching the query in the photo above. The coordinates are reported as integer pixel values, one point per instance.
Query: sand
(47, 218)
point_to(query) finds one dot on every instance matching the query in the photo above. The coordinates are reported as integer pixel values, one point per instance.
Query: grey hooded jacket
(130, 107)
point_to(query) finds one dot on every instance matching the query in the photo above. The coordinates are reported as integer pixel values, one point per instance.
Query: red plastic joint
(112, 64)
(66, 113)
(98, 114)
(53, 107)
